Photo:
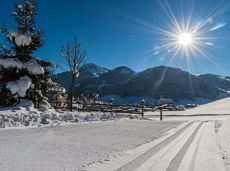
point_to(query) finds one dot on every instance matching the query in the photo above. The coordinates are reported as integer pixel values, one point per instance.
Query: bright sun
(184, 35)
(185, 39)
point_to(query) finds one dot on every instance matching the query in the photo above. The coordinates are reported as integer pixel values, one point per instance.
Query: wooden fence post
(161, 113)
(142, 107)
(111, 104)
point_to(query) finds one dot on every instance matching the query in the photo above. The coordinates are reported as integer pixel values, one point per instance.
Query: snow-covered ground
(70, 147)
(202, 143)
(25, 115)
(191, 146)
(183, 143)
(222, 129)
(219, 107)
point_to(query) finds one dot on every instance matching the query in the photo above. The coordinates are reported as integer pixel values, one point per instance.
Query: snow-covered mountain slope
(219, 107)
(93, 69)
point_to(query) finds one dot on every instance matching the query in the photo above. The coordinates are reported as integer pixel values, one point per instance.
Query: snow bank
(20, 86)
(32, 66)
(24, 115)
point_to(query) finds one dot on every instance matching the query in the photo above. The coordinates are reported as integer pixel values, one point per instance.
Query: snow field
(124, 145)
(203, 153)
(122, 158)
(73, 147)
(219, 107)
(189, 146)
(223, 140)
(161, 160)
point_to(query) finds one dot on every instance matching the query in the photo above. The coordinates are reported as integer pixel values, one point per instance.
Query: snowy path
(201, 143)
(142, 159)
(70, 147)
(192, 146)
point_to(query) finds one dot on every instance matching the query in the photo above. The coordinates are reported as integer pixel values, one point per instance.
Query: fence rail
(131, 109)
(107, 107)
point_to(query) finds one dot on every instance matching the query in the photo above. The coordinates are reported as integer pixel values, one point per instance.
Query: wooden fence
(108, 107)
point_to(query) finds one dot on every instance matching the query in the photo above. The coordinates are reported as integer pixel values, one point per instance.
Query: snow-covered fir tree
(56, 94)
(23, 76)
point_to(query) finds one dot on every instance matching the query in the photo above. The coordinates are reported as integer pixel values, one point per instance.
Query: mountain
(91, 70)
(113, 81)
(217, 81)
(152, 82)
(170, 82)
(87, 72)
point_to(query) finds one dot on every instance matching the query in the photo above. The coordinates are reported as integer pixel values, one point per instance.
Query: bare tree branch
(75, 57)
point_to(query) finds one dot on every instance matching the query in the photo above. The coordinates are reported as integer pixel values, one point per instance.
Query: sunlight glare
(185, 39)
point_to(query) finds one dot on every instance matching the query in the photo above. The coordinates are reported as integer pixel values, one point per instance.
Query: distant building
(163, 100)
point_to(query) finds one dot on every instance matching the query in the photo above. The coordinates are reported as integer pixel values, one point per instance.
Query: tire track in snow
(192, 163)
(175, 163)
(144, 157)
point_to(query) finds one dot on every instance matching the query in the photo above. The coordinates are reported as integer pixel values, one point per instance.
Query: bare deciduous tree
(75, 57)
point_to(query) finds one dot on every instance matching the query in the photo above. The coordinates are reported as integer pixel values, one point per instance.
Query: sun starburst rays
(192, 35)
(189, 42)
(179, 22)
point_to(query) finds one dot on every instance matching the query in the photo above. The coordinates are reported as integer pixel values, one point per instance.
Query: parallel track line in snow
(144, 157)
(175, 163)
(197, 146)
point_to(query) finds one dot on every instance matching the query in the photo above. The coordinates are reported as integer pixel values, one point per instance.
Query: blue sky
(122, 32)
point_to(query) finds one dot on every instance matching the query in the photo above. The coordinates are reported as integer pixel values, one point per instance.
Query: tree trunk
(71, 93)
